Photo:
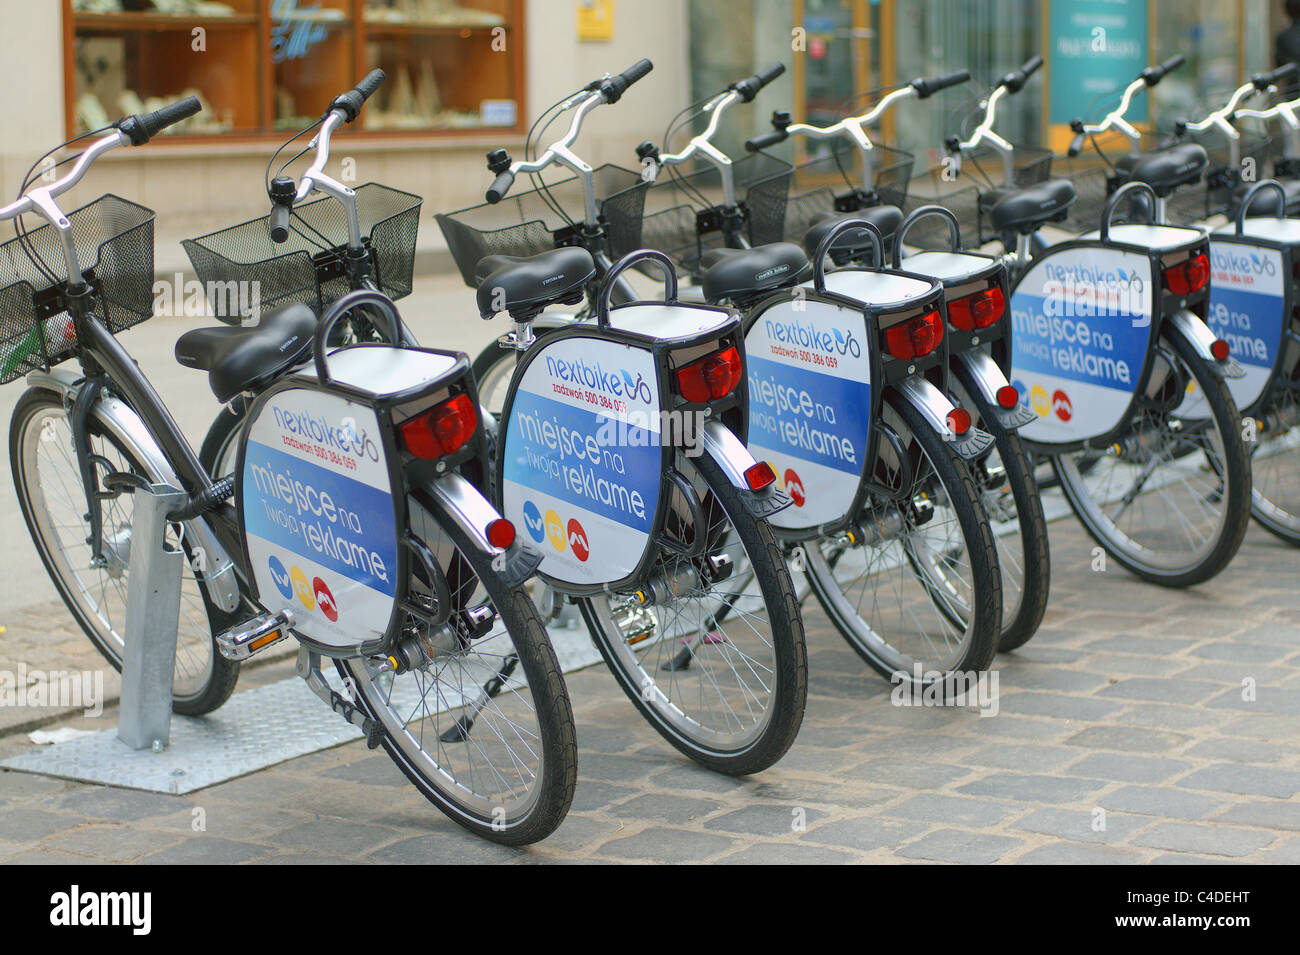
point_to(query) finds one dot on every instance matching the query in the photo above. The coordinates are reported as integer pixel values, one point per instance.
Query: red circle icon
(578, 540)
(1061, 405)
(794, 486)
(325, 600)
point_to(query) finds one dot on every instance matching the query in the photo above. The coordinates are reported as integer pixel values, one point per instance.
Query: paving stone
(662, 844)
(1188, 859)
(1053, 678)
(590, 795)
(1167, 689)
(1115, 665)
(1149, 646)
(1122, 767)
(206, 850)
(1216, 840)
(909, 773)
(1057, 705)
(1286, 853)
(458, 847)
(765, 820)
(1247, 780)
(865, 833)
(1079, 825)
(120, 804)
(664, 807)
(692, 778)
(1241, 651)
(26, 824)
(959, 810)
(1238, 750)
(1126, 738)
(1033, 787)
(335, 837)
(109, 843)
(1160, 801)
(1268, 699)
(308, 858)
(1027, 757)
(1273, 814)
(372, 771)
(1073, 854)
(786, 853)
(954, 845)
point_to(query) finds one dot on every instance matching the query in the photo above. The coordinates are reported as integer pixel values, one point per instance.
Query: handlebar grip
(766, 139)
(1154, 74)
(141, 128)
(1016, 79)
(1173, 63)
(1262, 81)
(352, 101)
(616, 86)
(500, 186)
(928, 86)
(1076, 146)
(278, 224)
(748, 88)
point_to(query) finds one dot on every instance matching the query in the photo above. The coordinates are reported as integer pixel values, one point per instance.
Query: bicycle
(651, 515)
(978, 329)
(412, 583)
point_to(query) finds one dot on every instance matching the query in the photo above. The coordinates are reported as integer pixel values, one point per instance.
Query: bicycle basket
(817, 182)
(961, 197)
(308, 267)
(526, 223)
(678, 220)
(114, 243)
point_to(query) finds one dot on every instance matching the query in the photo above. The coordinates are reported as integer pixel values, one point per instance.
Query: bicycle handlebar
(1016, 79)
(749, 87)
(927, 87)
(350, 103)
(1154, 74)
(1149, 77)
(140, 129)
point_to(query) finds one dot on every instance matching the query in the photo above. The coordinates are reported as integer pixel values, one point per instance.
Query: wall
(197, 188)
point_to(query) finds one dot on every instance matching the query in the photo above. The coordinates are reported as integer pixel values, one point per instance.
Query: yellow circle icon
(1039, 401)
(302, 587)
(555, 531)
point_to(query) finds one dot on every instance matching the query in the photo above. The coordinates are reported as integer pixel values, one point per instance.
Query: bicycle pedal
(255, 635)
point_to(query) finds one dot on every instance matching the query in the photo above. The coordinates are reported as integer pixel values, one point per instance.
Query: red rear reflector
(916, 337)
(976, 311)
(759, 476)
(1220, 350)
(958, 420)
(1008, 397)
(712, 377)
(1188, 277)
(443, 429)
(501, 533)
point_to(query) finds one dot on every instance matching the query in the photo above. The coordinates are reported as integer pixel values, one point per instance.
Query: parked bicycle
(357, 530)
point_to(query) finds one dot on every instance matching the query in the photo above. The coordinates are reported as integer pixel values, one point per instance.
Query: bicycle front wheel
(483, 727)
(720, 669)
(917, 592)
(1170, 501)
(1275, 467)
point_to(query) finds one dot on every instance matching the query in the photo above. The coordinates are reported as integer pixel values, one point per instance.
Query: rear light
(712, 377)
(1188, 277)
(916, 337)
(759, 476)
(1220, 350)
(501, 533)
(976, 311)
(958, 420)
(443, 429)
(1008, 397)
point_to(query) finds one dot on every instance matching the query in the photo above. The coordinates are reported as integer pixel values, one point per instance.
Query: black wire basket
(114, 243)
(309, 266)
(827, 183)
(680, 208)
(537, 220)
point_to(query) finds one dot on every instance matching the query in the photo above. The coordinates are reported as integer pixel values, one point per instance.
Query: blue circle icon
(281, 577)
(1020, 388)
(533, 522)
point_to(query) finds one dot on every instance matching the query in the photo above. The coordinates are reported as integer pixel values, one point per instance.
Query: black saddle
(853, 242)
(241, 359)
(1164, 170)
(524, 285)
(1265, 204)
(742, 273)
(1025, 209)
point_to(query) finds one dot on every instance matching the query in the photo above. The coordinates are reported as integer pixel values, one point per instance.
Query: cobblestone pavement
(1140, 725)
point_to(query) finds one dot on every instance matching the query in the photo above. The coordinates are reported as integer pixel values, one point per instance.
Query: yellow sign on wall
(595, 19)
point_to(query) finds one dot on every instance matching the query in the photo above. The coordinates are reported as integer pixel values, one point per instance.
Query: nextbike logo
(1226, 259)
(315, 595)
(571, 536)
(342, 437)
(618, 383)
(1084, 274)
(807, 335)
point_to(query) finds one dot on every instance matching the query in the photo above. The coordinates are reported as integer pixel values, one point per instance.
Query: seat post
(1158, 214)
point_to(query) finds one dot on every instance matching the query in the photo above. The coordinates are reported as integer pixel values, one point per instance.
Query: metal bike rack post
(153, 604)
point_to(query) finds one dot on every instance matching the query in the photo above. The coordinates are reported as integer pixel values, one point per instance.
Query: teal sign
(1098, 47)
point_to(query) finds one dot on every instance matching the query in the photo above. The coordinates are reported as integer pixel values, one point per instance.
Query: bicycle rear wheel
(1170, 501)
(53, 503)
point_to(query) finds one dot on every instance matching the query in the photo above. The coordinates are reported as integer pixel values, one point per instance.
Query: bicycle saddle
(741, 273)
(239, 358)
(1025, 209)
(524, 285)
(853, 243)
(1265, 204)
(1165, 169)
